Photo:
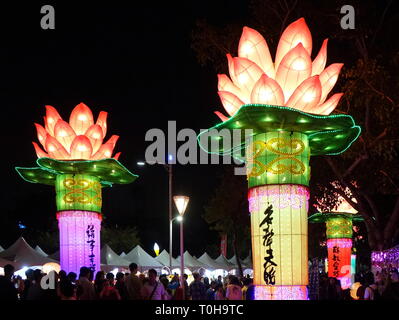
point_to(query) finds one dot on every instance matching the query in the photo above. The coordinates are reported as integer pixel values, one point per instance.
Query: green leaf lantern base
(78, 183)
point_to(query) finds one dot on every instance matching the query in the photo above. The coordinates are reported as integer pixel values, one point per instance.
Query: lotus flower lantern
(78, 164)
(286, 104)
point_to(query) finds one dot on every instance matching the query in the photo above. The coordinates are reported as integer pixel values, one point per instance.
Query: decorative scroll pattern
(77, 191)
(280, 293)
(277, 165)
(339, 227)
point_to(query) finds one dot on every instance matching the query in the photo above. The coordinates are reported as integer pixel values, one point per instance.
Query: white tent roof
(207, 260)
(23, 254)
(224, 262)
(248, 261)
(142, 258)
(110, 258)
(233, 260)
(164, 259)
(191, 262)
(123, 254)
(1, 249)
(39, 250)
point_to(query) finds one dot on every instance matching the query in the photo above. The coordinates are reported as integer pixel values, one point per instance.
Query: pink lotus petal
(247, 73)
(51, 118)
(81, 148)
(81, 119)
(297, 32)
(221, 116)
(55, 149)
(319, 63)
(39, 152)
(253, 47)
(225, 84)
(230, 102)
(307, 95)
(267, 91)
(64, 134)
(328, 79)
(102, 122)
(327, 107)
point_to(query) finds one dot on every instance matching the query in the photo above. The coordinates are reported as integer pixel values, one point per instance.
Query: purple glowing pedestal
(79, 240)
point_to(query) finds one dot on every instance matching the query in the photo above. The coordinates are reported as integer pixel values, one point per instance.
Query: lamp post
(168, 168)
(181, 203)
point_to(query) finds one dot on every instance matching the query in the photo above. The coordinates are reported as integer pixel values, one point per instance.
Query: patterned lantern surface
(283, 109)
(77, 163)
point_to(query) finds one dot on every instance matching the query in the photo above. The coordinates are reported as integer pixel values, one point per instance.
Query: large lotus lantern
(78, 164)
(286, 104)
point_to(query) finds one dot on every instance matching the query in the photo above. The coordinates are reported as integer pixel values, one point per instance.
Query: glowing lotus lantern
(286, 105)
(339, 238)
(78, 164)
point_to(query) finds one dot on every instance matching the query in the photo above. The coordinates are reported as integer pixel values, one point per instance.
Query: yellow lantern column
(278, 176)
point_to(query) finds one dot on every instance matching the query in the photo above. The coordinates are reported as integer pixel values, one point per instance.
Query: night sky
(131, 60)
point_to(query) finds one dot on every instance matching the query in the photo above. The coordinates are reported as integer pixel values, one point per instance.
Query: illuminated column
(339, 245)
(79, 220)
(278, 176)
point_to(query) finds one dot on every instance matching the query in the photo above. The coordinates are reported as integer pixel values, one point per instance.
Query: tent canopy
(110, 258)
(225, 263)
(191, 262)
(164, 259)
(142, 258)
(207, 260)
(24, 255)
(39, 250)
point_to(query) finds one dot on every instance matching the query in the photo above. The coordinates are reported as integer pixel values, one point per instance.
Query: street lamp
(168, 167)
(181, 203)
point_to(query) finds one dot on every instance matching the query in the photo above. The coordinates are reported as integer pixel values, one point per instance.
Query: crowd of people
(123, 286)
(137, 286)
(383, 286)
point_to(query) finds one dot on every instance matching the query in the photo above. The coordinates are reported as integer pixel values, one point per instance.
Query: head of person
(110, 278)
(213, 284)
(29, 274)
(84, 272)
(234, 281)
(62, 275)
(9, 271)
(133, 268)
(100, 276)
(206, 280)
(369, 278)
(37, 275)
(120, 276)
(72, 276)
(152, 275)
(196, 276)
(67, 289)
(185, 276)
(219, 278)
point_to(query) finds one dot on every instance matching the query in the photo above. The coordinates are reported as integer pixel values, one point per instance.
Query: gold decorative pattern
(78, 188)
(275, 145)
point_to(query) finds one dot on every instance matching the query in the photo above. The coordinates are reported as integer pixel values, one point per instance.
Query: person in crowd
(197, 288)
(27, 283)
(174, 284)
(62, 275)
(246, 284)
(233, 291)
(334, 291)
(35, 291)
(219, 281)
(153, 289)
(210, 293)
(206, 283)
(371, 291)
(391, 291)
(165, 282)
(109, 292)
(121, 286)
(219, 292)
(72, 277)
(7, 287)
(187, 292)
(99, 282)
(133, 284)
(67, 290)
(85, 288)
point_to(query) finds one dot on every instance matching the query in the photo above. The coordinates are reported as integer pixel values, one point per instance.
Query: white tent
(1, 249)
(212, 264)
(191, 262)
(55, 255)
(39, 250)
(23, 254)
(248, 262)
(164, 259)
(233, 260)
(123, 254)
(110, 258)
(225, 263)
(142, 259)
